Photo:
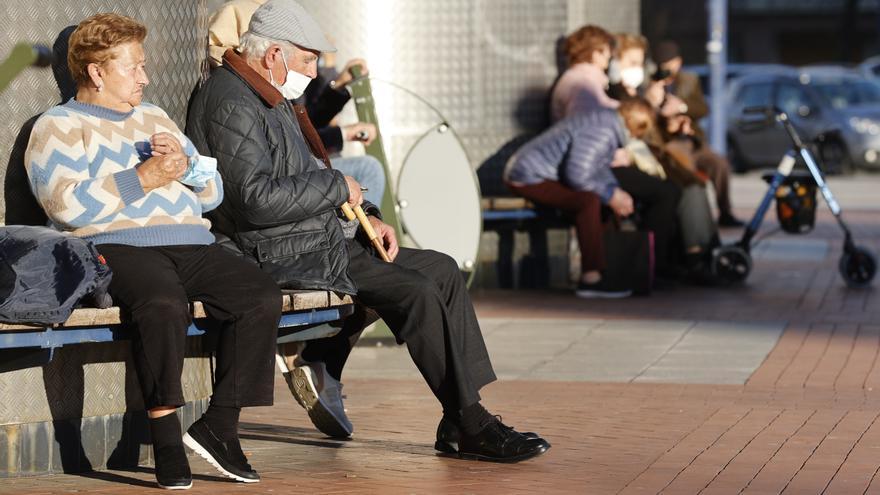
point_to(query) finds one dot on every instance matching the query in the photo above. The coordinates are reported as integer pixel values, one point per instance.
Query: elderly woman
(582, 86)
(118, 172)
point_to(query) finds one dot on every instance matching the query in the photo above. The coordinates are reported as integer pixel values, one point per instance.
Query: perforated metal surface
(86, 381)
(486, 65)
(174, 47)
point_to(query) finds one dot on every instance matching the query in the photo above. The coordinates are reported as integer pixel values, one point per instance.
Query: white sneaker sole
(306, 394)
(598, 294)
(198, 449)
(187, 487)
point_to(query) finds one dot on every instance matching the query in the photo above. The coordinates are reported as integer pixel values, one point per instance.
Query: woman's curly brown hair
(94, 38)
(581, 44)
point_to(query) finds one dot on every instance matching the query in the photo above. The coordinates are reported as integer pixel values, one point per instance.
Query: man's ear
(271, 56)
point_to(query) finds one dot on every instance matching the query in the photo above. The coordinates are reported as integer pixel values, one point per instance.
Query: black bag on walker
(44, 274)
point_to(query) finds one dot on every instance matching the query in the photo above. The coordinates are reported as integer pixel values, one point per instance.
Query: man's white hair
(255, 46)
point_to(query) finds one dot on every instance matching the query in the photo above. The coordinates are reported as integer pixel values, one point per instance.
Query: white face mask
(632, 77)
(295, 85)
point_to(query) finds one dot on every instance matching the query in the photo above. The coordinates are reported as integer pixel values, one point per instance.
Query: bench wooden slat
(501, 203)
(298, 300)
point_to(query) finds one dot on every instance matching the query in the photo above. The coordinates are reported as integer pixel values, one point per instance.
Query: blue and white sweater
(81, 161)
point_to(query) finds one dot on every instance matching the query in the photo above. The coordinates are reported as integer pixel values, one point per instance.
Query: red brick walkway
(805, 422)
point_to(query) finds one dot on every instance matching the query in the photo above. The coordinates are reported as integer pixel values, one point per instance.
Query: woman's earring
(100, 88)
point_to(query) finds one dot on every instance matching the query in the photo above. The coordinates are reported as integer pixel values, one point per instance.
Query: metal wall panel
(486, 65)
(174, 46)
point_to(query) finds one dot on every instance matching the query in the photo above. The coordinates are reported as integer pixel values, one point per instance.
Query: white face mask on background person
(632, 77)
(295, 85)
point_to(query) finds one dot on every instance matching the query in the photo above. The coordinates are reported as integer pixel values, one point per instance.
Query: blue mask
(201, 169)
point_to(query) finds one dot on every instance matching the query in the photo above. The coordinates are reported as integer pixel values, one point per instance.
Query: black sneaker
(172, 468)
(600, 290)
(448, 435)
(498, 442)
(728, 220)
(226, 457)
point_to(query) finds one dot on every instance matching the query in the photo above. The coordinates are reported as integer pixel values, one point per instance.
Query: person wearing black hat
(686, 86)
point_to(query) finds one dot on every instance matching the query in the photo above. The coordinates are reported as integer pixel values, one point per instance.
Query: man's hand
(673, 106)
(345, 76)
(161, 170)
(655, 93)
(163, 143)
(622, 158)
(386, 233)
(621, 202)
(353, 133)
(355, 195)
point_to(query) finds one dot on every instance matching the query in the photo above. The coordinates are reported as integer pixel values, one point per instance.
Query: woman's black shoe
(172, 468)
(498, 442)
(448, 434)
(226, 457)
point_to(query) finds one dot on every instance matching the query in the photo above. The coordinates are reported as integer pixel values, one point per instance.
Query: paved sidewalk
(772, 387)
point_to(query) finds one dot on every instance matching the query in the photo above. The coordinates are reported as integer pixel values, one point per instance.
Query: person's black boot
(172, 467)
(225, 456)
(497, 442)
(448, 435)
(726, 219)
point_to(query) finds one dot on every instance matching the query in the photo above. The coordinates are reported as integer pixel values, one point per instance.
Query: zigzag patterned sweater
(81, 162)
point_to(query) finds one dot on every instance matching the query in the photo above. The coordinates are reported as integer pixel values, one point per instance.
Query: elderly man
(686, 85)
(281, 212)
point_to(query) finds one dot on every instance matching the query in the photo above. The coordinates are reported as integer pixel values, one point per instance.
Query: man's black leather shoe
(448, 434)
(172, 468)
(498, 442)
(226, 457)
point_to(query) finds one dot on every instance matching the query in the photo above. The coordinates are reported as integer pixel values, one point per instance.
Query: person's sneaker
(600, 290)
(226, 457)
(728, 220)
(321, 396)
(497, 442)
(448, 435)
(172, 468)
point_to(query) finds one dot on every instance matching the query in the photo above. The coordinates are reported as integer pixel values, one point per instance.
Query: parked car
(836, 108)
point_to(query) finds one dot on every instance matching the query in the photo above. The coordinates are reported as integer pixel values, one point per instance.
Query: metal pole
(716, 49)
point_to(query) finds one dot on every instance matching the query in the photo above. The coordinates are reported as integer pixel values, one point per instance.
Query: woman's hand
(163, 143)
(622, 158)
(346, 76)
(363, 132)
(621, 202)
(162, 170)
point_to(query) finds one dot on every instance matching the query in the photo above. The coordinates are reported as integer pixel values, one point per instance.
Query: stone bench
(69, 397)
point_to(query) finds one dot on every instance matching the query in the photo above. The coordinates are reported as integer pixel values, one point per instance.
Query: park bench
(305, 315)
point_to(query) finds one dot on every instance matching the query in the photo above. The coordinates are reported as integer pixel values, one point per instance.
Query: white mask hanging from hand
(632, 77)
(295, 85)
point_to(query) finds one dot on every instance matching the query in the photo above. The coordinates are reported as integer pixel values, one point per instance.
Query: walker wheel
(731, 264)
(858, 267)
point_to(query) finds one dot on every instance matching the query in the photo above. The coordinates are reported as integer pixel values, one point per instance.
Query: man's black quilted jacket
(279, 200)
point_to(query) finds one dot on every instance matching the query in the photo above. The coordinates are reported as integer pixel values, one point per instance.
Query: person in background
(116, 171)
(582, 86)
(579, 164)
(282, 212)
(686, 87)
(654, 152)
(323, 98)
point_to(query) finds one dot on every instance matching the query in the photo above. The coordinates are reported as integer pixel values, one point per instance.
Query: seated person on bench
(281, 210)
(324, 98)
(579, 162)
(113, 170)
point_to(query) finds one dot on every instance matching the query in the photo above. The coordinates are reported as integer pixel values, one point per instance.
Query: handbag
(629, 259)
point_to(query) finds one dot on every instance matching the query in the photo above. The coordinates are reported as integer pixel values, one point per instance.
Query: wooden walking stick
(358, 213)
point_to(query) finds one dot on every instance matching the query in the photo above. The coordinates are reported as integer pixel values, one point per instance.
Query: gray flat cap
(287, 20)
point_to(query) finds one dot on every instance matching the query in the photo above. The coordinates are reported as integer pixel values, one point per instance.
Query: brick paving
(806, 420)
